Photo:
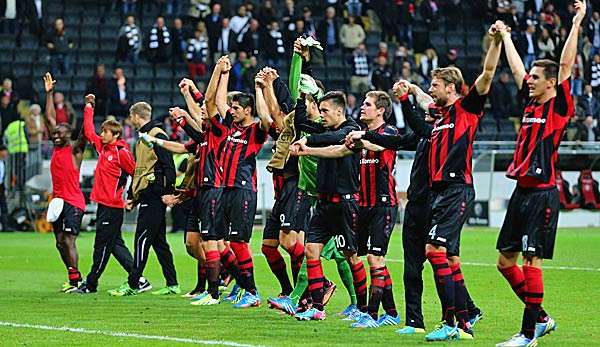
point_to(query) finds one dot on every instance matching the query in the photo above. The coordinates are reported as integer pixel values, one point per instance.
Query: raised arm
(50, 110)
(210, 99)
(514, 59)
(484, 81)
(171, 146)
(422, 99)
(187, 87)
(88, 122)
(301, 54)
(336, 151)
(417, 124)
(569, 52)
(261, 105)
(270, 78)
(221, 98)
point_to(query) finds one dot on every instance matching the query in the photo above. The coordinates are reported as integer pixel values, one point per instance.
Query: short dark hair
(550, 67)
(338, 98)
(244, 99)
(3, 148)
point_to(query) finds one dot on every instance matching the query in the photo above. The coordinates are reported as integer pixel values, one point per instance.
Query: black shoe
(144, 285)
(84, 289)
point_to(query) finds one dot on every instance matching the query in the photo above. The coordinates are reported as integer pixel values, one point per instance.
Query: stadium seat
(7, 55)
(588, 188)
(162, 71)
(144, 70)
(564, 193)
(141, 84)
(7, 42)
(162, 85)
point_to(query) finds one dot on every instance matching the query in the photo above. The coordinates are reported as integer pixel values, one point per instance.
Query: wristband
(160, 142)
(404, 97)
(198, 95)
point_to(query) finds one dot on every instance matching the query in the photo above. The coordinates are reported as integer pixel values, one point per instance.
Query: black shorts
(239, 210)
(210, 213)
(69, 220)
(192, 220)
(375, 226)
(449, 208)
(530, 223)
(417, 218)
(335, 219)
(289, 211)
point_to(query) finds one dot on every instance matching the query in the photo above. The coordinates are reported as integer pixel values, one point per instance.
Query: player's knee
(506, 261)
(60, 245)
(375, 260)
(454, 260)
(312, 251)
(434, 248)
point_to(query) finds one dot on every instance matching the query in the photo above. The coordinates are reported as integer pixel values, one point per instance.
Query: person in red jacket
(115, 163)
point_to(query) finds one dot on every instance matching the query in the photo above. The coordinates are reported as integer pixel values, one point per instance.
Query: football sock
(245, 264)
(376, 292)
(213, 269)
(201, 283)
(74, 276)
(301, 284)
(515, 277)
(389, 305)
(460, 297)
(444, 284)
(345, 273)
(229, 262)
(359, 277)
(277, 265)
(534, 296)
(315, 282)
(296, 253)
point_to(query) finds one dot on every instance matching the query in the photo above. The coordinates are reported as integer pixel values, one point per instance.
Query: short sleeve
(563, 104)
(473, 102)
(259, 133)
(523, 93)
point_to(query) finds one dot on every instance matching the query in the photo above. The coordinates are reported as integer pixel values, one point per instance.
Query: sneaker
(168, 290)
(284, 304)
(464, 334)
(67, 287)
(232, 296)
(365, 321)
(124, 290)
(328, 291)
(355, 315)
(200, 296)
(408, 330)
(206, 301)
(311, 314)
(442, 332)
(191, 294)
(347, 311)
(248, 300)
(545, 328)
(84, 289)
(518, 340)
(475, 317)
(386, 319)
(144, 285)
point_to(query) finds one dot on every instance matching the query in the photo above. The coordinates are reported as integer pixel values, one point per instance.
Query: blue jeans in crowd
(59, 62)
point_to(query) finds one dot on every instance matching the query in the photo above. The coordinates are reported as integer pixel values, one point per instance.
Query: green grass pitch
(31, 274)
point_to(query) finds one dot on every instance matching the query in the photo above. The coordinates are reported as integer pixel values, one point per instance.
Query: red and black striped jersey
(451, 153)
(542, 128)
(377, 182)
(209, 172)
(238, 154)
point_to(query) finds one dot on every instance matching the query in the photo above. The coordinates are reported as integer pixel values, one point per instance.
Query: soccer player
(416, 214)
(531, 218)
(64, 169)
(336, 212)
(378, 206)
(154, 177)
(115, 163)
(245, 138)
(452, 193)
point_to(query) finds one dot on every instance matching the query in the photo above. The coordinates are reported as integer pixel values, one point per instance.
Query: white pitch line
(544, 267)
(124, 334)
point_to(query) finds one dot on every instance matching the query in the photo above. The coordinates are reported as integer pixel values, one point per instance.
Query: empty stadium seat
(564, 193)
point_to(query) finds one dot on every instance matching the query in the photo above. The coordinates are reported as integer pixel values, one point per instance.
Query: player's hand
(170, 200)
(224, 64)
(148, 138)
(301, 50)
(296, 146)
(400, 88)
(259, 80)
(353, 137)
(129, 204)
(580, 9)
(48, 82)
(90, 99)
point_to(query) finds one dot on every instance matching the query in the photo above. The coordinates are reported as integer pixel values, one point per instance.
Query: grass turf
(32, 273)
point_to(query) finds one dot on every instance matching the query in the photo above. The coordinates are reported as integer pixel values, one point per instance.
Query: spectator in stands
(299, 30)
(546, 46)
(288, 18)
(65, 113)
(352, 110)
(589, 103)
(382, 76)
(588, 132)
(7, 89)
(397, 117)
(549, 19)
(8, 17)
(309, 23)
(248, 74)
(409, 74)
(8, 112)
(266, 13)
(502, 99)
(173, 7)
(214, 24)
(179, 36)
(198, 9)
(351, 35)
(429, 12)
(449, 59)
(405, 19)
(3, 206)
(512, 19)
(383, 50)
(400, 57)
(429, 61)
(237, 70)
(361, 63)
(159, 42)
(36, 127)
(354, 8)
(252, 42)
(328, 32)
(577, 76)
(503, 10)
(15, 138)
(130, 41)
(527, 46)
(226, 41)
(595, 74)
(119, 96)
(99, 85)
(197, 53)
(274, 46)
(594, 32)
(59, 46)
(240, 22)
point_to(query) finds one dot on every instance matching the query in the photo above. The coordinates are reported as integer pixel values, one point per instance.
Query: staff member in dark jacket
(154, 177)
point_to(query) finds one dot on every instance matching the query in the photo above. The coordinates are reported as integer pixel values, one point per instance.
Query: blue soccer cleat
(442, 332)
(545, 328)
(248, 300)
(199, 296)
(518, 340)
(311, 314)
(386, 319)
(233, 295)
(475, 318)
(365, 321)
(408, 330)
(284, 304)
(356, 315)
(351, 308)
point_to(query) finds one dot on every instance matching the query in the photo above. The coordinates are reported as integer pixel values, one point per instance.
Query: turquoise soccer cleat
(365, 321)
(442, 332)
(311, 314)
(386, 319)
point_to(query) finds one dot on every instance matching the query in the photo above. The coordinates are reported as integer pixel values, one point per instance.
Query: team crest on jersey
(110, 158)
